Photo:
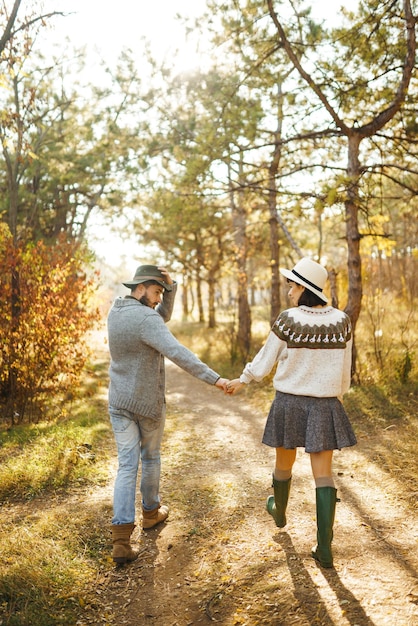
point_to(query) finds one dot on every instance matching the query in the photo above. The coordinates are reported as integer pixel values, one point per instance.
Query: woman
(311, 343)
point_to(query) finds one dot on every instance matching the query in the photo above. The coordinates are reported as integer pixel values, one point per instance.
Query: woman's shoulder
(304, 326)
(313, 315)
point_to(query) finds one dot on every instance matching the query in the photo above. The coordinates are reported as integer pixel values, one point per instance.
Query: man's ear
(139, 291)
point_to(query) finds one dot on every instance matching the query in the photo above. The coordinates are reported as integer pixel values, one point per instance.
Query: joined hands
(229, 386)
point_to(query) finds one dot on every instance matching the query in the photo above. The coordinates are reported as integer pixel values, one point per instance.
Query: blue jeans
(137, 438)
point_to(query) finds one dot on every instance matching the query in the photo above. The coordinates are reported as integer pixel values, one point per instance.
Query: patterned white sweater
(312, 348)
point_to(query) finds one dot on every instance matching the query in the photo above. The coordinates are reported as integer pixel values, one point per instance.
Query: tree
(43, 350)
(360, 44)
(60, 157)
(196, 150)
(66, 147)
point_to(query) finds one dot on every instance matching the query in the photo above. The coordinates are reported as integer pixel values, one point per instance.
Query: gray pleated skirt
(305, 422)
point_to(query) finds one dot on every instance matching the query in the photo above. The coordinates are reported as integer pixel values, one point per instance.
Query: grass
(49, 559)
(385, 420)
(53, 546)
(35, 459)
(56, 504)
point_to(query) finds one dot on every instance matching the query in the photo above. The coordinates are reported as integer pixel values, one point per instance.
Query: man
(138, 342)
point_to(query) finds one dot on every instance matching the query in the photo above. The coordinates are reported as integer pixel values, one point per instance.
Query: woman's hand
(233, 386)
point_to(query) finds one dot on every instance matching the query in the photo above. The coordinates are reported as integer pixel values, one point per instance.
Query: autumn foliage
(46, 308)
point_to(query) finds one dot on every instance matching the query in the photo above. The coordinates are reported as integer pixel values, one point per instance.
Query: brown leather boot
(154, 517)
(122, 549)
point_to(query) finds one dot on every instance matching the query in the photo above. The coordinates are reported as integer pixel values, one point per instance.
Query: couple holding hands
(310, 344)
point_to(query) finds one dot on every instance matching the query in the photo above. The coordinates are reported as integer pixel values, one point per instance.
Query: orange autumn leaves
(46, 308)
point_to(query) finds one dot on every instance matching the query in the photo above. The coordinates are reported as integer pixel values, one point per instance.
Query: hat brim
(133, 284)
(295, 279)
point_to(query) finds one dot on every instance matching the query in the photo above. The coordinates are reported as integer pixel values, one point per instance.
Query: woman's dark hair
(310, 299)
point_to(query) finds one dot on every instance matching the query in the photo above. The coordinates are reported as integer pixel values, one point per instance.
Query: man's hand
(167, 277)
(233, 386)
(222, 383)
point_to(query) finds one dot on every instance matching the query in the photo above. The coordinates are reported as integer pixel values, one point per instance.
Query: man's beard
(144, 300)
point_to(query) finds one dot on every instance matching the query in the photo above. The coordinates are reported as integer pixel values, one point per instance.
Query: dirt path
(220, 558)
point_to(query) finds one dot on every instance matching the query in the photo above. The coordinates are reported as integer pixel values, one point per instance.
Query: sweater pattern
(297, 334)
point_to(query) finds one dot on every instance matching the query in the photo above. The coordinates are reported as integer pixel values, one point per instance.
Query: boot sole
(269, 504)
(325, 564)
(153, 525)
(120, 560)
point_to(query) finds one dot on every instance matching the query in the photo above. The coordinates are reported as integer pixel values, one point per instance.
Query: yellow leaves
(239, 617)
(332, 196)
(45, 338)
(5, 233)
(378, 240)
(3, 82)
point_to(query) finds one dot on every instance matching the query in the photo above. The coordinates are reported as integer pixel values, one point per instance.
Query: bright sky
(110, 25)
(107, 26)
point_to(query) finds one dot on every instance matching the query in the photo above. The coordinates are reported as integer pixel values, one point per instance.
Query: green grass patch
(49, 559)
(384, 416)
(54, 519)
(35, 458)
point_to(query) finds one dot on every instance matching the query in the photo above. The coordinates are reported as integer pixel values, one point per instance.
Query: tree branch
(307, 77)
(37, 19)
(387, 114)
(384, 116)
(10, 23)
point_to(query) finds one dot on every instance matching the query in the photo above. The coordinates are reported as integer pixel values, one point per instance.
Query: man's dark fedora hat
(145, 273)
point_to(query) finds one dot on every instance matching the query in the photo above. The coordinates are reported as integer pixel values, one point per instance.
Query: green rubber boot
(276, 505)
(326, 499)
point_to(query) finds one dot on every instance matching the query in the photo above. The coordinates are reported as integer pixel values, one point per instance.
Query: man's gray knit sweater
(138, 342)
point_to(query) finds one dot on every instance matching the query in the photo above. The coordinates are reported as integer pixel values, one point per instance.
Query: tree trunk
(355, 289)
(272, 205)
(352, 202)
(199, 298)
(332, 276)
(211, 297)
(185, 297)
(239, 225)
(275, 304)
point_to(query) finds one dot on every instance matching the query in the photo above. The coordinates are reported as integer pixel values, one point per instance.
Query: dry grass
(56, 500)
(52, 542)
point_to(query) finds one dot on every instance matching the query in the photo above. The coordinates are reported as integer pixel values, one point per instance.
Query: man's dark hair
(147, 283)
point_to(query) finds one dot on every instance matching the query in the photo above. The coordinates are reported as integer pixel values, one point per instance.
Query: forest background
(280, 133)
(289, 138)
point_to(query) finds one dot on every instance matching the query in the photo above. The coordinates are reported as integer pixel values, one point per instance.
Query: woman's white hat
(309, 274)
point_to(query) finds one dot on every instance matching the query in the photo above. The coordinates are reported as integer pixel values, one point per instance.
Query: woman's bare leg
(284, 463)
